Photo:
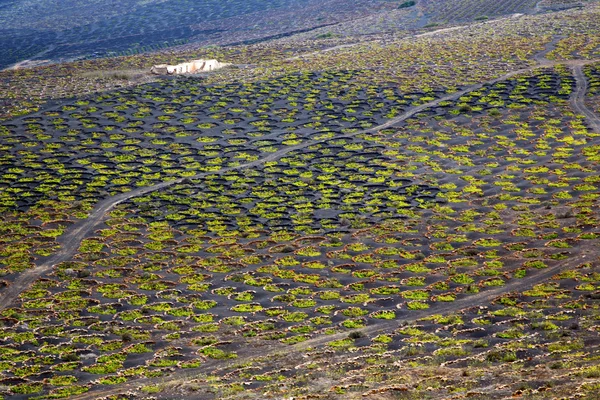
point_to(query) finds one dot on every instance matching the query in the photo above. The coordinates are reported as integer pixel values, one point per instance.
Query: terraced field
(338, 223)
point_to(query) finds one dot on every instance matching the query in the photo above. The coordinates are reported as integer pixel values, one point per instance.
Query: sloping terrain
(36, 32)
(390, 217)
(46, 30)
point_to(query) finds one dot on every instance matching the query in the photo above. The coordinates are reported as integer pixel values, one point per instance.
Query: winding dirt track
(578, 99)
(540, 57)
(75, 233)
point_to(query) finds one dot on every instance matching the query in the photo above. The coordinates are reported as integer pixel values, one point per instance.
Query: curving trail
(31, 62)
(540, 57)
(577, 99)
(515, 285)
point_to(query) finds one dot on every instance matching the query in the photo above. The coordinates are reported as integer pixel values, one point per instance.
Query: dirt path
(540, 57)
(31, 62)
(585, 254)
(577, 99)
(326, 50)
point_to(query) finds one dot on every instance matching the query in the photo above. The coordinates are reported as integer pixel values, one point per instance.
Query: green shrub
(217, 354)
(417, 305)
(384, 314)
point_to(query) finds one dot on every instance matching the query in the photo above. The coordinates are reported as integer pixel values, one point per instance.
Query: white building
(188, 68)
